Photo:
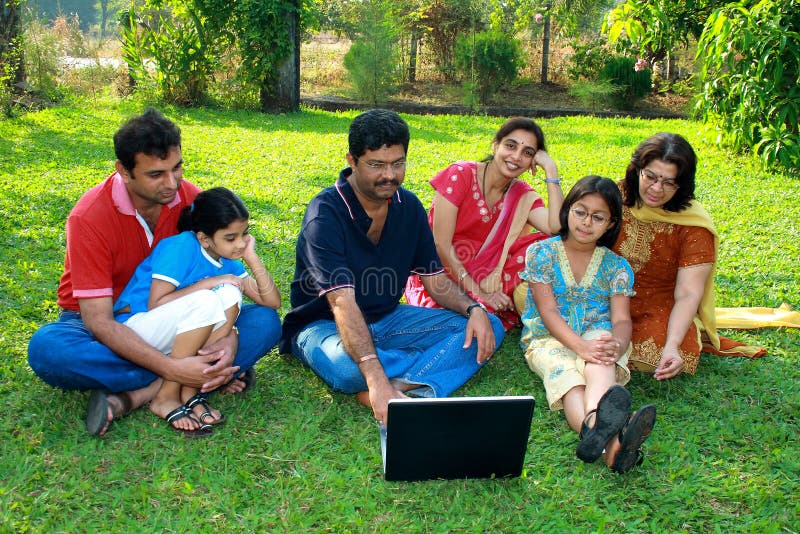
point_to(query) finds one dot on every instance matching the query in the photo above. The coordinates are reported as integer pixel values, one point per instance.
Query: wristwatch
(472, 306)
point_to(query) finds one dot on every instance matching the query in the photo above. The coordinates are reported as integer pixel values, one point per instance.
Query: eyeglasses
(667, 184)
(597, 218)
(396, 166)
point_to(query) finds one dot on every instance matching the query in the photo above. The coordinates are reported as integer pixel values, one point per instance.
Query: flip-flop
(631, 437)
(201, 399)
(181, 412)
(97, 410)
(613, 410)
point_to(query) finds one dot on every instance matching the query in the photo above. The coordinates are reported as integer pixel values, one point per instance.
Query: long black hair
(212, 209)
(607, 189)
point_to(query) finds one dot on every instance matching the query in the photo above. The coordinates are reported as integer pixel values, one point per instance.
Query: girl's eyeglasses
(597, 218)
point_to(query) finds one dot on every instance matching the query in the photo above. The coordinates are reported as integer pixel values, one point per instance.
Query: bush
(588, 59)
(750, 67)
(635, 84)
(489, 60)
(595, 94)
(372, 59)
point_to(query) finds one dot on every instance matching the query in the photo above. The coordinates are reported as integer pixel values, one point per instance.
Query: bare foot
(363, 398)
(611, 450)
(241, 383)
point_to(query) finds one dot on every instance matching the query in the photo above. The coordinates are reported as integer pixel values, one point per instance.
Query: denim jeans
(66, 355)
(415, 345)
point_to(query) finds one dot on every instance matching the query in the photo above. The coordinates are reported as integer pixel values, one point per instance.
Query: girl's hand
(670, 366)
(610, 347)
(250, 248)
(595, 351)
(214, 281)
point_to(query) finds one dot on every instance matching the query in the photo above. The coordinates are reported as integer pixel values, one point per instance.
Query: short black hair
(376, 128)
(606, 188)
(669, 148)
(150, 133)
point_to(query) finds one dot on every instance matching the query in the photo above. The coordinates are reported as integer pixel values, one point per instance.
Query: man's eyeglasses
(667, 184)
(597, 218)
(398, 165)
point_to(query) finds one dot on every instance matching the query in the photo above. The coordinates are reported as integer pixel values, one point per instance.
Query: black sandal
(201, 399)
(97, 410)
(613, 410)
(182, 411)
(631, 437)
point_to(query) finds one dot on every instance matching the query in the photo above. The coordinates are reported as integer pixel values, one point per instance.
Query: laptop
(456, 437)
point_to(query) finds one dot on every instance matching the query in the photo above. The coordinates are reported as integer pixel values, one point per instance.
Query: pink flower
(539, 17)
(641, 64)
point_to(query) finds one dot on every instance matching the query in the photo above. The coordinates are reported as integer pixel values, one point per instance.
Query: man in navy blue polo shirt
(360, 240)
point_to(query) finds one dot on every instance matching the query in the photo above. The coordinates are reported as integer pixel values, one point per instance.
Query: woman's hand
(670, 365)
(542, 159)
(493, 282)
(497, 300)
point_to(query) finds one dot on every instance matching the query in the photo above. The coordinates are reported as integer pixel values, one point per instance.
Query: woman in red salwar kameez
(483, 216)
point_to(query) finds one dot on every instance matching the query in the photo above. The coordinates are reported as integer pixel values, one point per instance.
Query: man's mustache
(392, 181)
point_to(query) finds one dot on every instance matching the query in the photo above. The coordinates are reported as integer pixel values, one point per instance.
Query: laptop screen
(457, 437)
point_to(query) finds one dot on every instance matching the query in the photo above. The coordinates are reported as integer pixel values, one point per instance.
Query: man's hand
(379, 399)
(192, 372)
(223, 352)
(479, 327)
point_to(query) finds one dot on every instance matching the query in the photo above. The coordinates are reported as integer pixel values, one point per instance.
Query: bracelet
(235, 329)
(472, 306)
(367, 358)
(462, 276)
(555, 180)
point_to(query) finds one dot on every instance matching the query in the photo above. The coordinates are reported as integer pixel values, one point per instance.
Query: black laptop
(456, 437)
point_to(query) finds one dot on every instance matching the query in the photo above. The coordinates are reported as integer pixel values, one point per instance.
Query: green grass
(293, 455)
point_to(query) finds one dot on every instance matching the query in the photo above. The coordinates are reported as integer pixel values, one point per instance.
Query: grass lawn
(294, 456)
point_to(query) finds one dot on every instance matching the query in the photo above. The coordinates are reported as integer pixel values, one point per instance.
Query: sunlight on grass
(295, 456)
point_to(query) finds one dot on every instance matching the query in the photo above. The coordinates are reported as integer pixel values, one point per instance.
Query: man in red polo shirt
(111, 229)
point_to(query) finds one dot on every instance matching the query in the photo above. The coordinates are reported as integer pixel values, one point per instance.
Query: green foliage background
(295, 456)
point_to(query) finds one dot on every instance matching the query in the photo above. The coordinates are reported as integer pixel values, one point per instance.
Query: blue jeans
(66, 355)
(415, 345)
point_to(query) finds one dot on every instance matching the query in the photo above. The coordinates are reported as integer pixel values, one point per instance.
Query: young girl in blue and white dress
(577, 325)
(187, 294)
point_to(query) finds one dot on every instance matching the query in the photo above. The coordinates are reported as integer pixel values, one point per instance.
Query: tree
(268, 37)
(372, 58)
(12, 72)
(750, 58)
(565, 18)
(655, 28)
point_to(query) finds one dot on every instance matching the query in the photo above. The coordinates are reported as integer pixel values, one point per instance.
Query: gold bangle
(367, 358)
(462, 276)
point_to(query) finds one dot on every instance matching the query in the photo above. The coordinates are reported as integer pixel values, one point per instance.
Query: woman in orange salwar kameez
(483, 216)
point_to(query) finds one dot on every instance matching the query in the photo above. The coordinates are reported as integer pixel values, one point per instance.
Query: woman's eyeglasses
(667, 184)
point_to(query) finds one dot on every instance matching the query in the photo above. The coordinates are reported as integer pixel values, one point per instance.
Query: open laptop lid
(457, 437)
